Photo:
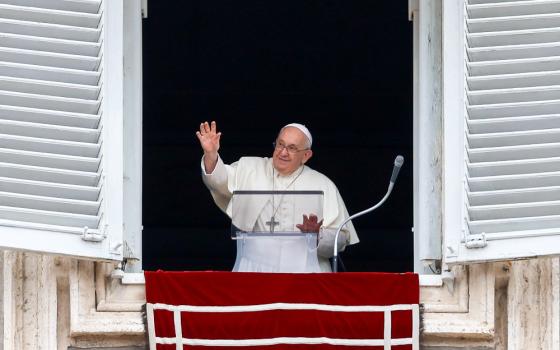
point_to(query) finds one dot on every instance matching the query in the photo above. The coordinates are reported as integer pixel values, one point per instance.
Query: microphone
(398, 164)
(399, 160)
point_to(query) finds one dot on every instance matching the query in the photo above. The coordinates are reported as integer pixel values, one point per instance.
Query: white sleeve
(217, 180)
(220, 181)
(326, 242)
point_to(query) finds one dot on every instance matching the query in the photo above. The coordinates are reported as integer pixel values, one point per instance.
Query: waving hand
(210, 142)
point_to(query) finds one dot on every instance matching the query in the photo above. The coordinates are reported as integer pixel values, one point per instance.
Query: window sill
(425, 280)
(133, 278)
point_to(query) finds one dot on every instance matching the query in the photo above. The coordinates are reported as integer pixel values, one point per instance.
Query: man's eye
(292, 148)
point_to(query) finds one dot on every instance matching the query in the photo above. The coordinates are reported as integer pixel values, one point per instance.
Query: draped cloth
(257, 174)
(263, 311)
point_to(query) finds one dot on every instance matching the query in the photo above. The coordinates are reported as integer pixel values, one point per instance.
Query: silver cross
(272, 223)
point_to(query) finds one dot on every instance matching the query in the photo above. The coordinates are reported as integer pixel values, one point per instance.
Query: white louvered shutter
(61, 126)
(511, 124)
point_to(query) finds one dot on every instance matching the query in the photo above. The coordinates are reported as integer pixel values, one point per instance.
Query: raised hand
(310, 224)
(210, 143)
(209, 138)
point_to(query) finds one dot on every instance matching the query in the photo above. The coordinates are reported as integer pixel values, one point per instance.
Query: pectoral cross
(272, 223)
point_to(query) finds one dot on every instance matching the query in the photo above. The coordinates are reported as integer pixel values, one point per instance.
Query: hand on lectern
(210, 143)
(310, 224)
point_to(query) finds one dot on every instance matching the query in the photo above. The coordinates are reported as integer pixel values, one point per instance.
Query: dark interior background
(342, 67)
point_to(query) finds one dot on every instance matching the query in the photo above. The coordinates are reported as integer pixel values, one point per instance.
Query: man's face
(284, 161)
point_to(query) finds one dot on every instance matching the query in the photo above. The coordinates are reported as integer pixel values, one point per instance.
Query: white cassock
(257, 174)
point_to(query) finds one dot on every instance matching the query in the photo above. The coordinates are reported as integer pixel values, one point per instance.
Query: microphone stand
(398, 163)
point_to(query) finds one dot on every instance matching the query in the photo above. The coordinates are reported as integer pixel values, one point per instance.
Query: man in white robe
(286, 170)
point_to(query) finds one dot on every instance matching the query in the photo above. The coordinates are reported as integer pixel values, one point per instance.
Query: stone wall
(64, 303)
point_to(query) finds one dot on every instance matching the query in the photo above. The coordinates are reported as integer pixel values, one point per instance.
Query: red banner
(282, 311)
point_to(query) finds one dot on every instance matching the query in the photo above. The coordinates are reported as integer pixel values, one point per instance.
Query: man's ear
(306, 156)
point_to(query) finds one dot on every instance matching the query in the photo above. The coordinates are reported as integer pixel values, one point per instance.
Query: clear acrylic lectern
(264, 223)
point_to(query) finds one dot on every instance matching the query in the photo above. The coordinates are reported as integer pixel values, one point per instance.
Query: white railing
(386, 342)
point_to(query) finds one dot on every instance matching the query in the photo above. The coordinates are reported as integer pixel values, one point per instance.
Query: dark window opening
(343, 68)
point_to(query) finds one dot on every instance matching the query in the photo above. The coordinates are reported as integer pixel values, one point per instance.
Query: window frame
(134, 11)
(427, 135)
(453, 72)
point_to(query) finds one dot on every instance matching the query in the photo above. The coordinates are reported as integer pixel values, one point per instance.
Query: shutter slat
(49, 30)
(517, 210)
(45, 174)
(527, 65)
(53, 74)
(536, 225)
(49, 189)
(482, 25)
(49, 102)
(511, 52)
(49, 59)
(505, 81)
(525, 123)
(474, 2)
(514, 167)
(63, 133)
(49, 88)
(42, 15)
(516, 109)
(514, 95)
(514, 37)
(516, 138)
(48, 217)
(88, 6)
(48, 160)
(516, 8)
(49, 117)
(49, 146)
(78, 230)
(523, 195)
(64, 205)
(498, 154)
(514, 182)
(72, 47)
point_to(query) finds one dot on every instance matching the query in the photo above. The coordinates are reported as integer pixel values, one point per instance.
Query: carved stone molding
(465, 316)
(439, 298)
(85, 318)
(112, 295)
(50, 302)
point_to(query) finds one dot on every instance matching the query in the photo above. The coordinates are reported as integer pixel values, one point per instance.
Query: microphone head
(399, 161)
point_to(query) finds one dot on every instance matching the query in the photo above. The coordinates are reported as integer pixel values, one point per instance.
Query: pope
(286, 170)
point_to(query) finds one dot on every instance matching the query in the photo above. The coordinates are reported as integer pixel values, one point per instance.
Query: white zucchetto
(303, 129)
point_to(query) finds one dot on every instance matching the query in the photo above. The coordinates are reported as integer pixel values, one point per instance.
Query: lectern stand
(265, 226)
(277, 252)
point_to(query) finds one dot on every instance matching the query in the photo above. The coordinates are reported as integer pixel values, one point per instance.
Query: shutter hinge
(476, 241)
(90, 236)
